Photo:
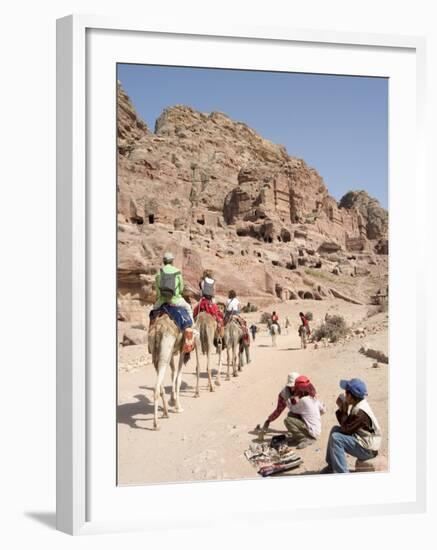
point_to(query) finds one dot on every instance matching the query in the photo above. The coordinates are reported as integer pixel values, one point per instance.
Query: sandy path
(208, 439)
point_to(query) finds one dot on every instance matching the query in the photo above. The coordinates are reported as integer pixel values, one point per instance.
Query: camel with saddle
(165, 341)
(209, 335)
(274, 331)
(237, 345)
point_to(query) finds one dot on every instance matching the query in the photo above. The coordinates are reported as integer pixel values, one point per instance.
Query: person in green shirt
(176, 299)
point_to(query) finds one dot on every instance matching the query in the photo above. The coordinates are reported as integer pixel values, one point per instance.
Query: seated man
(358, 433)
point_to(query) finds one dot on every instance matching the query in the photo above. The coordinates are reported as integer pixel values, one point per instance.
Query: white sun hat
(169, 256)
(291, 379)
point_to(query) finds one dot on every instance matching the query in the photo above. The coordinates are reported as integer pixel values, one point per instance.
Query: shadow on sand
(144, 406)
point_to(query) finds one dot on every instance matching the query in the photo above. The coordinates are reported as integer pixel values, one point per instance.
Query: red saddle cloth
(209, 307)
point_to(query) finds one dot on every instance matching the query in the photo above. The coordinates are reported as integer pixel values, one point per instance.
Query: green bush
(309, 315)
(333, 329)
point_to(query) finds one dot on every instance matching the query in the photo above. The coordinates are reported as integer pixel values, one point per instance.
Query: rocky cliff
(220, 196)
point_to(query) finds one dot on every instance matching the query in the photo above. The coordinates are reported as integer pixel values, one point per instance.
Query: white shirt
(310, 409)
(233, 305)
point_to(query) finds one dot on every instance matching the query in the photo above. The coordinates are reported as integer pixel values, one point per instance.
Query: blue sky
(337, 124)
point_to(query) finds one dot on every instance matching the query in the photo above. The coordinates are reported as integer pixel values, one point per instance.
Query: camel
(207, 327)
(303, 336)
(165, 341)
(274, 331)
(234, 339)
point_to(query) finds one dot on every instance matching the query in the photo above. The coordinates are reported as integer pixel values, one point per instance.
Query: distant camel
(303, 336)
(274, 331)
(165, 341)
(207, 327)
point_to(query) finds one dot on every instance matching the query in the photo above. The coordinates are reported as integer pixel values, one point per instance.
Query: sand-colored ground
(207, 440)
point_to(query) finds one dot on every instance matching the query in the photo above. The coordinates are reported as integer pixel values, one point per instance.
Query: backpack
(208, 288)
(167, 283)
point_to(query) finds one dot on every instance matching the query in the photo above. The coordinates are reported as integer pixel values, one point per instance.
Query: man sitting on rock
(358, 433)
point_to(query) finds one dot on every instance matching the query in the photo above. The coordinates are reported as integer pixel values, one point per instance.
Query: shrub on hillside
(265, 317)
(249, 308)
(309, 315)
(333, 328)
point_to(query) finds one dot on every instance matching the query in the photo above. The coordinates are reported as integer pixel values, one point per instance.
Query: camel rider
(207, 285)
(169, 289)
(233, 305)
(207, 303)
(305, 325)
(275, 321)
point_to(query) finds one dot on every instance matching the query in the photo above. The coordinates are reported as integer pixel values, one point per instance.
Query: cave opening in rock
(151, 218)
(201, 221)
(137, 219)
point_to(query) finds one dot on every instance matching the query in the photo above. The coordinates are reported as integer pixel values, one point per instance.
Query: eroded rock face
(375, 217)
(219, 196)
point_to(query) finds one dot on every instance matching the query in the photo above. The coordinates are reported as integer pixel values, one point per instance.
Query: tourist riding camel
(305, 323)
(236, 333)
(275, 321)
(207, 302)
(169, 285)
(304, 330)
(358, 433)
(170, 332)
(233, 305)
(207, 285)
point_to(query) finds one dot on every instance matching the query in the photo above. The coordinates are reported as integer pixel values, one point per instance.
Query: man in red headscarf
(303, 421)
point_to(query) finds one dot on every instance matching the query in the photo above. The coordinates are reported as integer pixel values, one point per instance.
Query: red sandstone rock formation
(220, 196)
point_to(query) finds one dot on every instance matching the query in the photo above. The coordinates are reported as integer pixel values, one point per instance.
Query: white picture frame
(77, 240)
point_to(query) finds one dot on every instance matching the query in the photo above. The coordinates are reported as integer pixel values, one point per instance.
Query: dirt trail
(208, 439)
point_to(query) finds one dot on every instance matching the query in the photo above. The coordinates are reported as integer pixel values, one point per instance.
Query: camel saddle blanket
(209, 307)
(178, 315)
(243, 326)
